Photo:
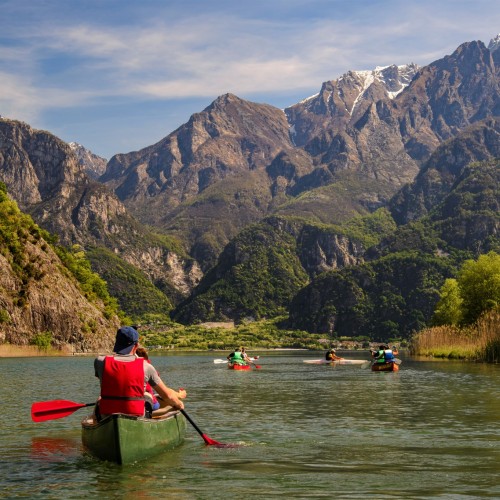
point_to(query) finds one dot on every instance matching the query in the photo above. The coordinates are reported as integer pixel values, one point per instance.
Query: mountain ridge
(238, 163)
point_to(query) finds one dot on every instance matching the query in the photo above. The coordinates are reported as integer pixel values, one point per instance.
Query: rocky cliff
(479, 142)
(46, 179)
(38, 294)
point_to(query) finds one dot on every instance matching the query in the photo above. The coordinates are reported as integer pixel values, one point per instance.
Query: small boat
(236, 366)
(391, 366)
(125, 439)
(336, 361)
(222, 361)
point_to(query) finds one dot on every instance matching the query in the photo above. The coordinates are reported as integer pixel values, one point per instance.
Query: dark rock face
(447, 96)
(43, 175)
(479, 142)
(208, 179)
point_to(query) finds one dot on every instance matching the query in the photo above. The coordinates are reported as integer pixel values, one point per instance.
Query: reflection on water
(53, 449)
(310, 431)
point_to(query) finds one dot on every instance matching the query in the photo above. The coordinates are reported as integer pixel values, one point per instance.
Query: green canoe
(125, 439)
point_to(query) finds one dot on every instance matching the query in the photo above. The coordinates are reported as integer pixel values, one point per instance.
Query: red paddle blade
(209, 441)
(51, 410)
(213, 442)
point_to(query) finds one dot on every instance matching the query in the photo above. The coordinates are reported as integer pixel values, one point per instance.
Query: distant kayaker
(383, 355)
(388, 354)
(245, 356)
(379, 356)
(236, 357)
(331, 356)
(124, 375)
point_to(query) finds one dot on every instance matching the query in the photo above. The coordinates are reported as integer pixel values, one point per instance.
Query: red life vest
(122, 387)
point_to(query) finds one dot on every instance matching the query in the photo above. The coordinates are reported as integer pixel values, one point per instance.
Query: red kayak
(238, 367)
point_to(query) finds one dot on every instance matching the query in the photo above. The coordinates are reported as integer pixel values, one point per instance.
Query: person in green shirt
(236, 357)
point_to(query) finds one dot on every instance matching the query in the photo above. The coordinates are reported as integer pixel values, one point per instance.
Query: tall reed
(28, 351)
(479, 342)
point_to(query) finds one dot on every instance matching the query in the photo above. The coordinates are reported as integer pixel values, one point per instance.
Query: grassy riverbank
(479, 342)
(29, 351)
(263, 334)
(258, 335)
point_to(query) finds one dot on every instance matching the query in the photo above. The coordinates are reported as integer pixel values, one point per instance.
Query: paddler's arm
(169, 395)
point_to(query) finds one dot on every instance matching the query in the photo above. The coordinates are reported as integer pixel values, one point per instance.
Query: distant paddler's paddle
(58, 408)
(251, 362)
(208, 441)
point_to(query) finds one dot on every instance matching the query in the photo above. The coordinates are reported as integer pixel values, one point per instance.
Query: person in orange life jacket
(123, 377)
(331, 356)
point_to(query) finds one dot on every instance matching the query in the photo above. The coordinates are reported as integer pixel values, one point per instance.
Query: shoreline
(29, 351)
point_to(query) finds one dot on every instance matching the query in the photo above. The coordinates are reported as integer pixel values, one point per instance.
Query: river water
(431, 430)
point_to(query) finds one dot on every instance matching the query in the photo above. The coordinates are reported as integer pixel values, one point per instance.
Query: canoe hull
(336, 362)
(239, 367)
(125, 439)
(385, 367)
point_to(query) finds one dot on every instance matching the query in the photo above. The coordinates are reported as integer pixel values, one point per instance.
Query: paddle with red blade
(58, 408)
(209, 441)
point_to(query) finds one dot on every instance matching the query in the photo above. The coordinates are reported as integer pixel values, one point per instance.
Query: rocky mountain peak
(93, 164)
(393, 78)
(494, 44)
(343, 101)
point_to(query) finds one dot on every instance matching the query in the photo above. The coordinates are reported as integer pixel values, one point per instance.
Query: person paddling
(383, 355)
(148, 393)
(246, 357)
(123, 377)
(236, 357)
(331, 356)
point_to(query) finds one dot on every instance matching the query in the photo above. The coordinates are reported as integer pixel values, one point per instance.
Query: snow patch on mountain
(494, 44)
(394, 79)
(94, 165)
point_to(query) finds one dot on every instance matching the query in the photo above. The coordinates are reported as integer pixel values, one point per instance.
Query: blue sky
(117, 76)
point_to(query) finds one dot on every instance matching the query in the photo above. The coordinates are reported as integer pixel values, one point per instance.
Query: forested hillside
(396, 292)
(48, 295)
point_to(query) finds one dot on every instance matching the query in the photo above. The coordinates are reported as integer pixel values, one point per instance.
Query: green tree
(42, 340)
(449, 307)
(479, 283)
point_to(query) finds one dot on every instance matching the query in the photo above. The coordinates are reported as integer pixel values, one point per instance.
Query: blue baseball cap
(126, 338)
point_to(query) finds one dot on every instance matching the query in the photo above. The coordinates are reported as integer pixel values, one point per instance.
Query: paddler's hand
(179, 406)
(182, 393)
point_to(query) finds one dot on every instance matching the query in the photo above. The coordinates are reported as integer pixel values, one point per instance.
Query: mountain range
(248, 210)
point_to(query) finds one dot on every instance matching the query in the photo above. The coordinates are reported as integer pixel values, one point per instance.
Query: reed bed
(27, 351)
(479, 342)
